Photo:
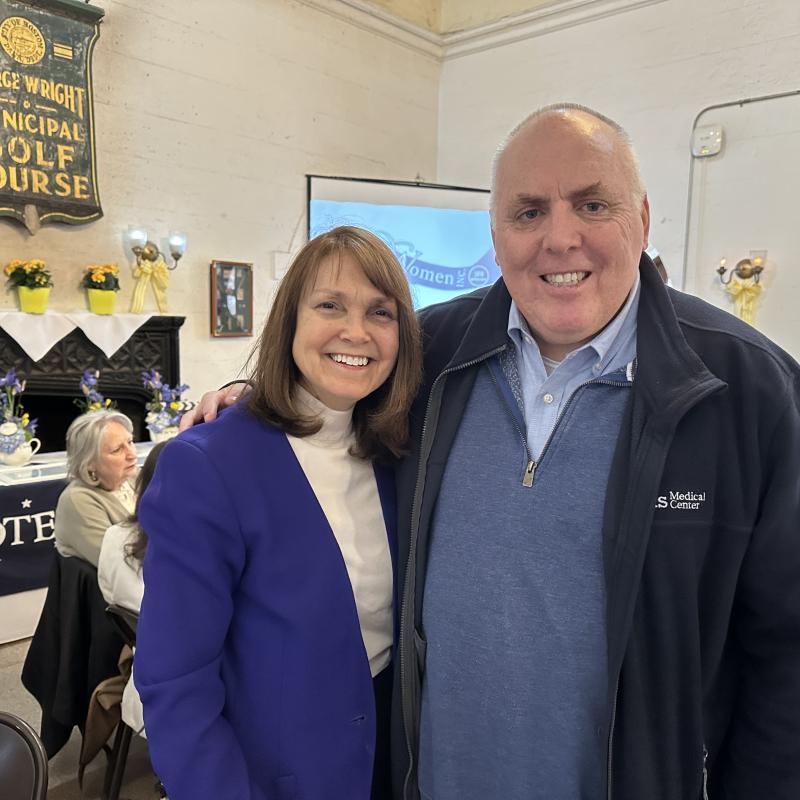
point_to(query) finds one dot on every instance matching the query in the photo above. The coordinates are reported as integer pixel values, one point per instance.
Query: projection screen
(440, 234)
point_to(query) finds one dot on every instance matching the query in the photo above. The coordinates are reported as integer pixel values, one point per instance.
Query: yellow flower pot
(33, 301)
(101, 301)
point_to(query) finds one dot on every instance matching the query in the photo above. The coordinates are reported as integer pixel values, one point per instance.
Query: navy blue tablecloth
(27, 514)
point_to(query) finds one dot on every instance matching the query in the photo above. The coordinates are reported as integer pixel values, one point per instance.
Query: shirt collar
(603, 344)
(337, 426)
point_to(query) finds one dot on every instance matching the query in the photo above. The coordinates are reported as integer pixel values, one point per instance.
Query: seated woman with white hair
(101, 463)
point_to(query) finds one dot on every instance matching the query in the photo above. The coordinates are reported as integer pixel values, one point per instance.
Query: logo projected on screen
(438, 276)
(445, 252)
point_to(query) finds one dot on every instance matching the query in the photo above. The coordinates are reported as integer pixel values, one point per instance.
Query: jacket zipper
(616, 685)
(611, 739)
(412, 553)
(705, 772)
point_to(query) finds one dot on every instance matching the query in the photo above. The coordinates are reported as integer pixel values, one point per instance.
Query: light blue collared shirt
(543, 395)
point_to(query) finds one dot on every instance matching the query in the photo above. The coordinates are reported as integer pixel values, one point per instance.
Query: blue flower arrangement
(16, 427)
(166, 408)
(92, 399)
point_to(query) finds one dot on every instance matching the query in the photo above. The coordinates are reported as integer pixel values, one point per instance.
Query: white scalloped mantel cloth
(37, 333)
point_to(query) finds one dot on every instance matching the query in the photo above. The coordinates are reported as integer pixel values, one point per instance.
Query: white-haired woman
(101, 464)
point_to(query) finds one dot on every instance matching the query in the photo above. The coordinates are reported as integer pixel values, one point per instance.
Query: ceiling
(448, 16)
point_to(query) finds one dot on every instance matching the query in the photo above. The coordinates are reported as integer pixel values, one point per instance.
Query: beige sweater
(83, 515)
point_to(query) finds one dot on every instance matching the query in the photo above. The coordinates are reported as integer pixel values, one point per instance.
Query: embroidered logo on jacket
(681, 501)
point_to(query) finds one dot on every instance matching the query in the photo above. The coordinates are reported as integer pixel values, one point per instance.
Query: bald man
(600, 557)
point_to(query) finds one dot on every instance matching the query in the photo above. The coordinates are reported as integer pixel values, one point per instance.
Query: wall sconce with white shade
(151, 268)
(145, 250)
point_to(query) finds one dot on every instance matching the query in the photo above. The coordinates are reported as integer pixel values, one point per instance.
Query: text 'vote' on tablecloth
(27, 518)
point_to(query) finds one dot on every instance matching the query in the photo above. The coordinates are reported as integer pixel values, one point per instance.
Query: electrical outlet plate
(707, 141)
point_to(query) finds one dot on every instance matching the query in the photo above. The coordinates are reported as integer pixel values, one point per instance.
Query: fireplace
(53, 381)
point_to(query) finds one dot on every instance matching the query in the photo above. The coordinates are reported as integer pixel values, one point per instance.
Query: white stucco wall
(743, 200)
(653, 69)
(208, 117)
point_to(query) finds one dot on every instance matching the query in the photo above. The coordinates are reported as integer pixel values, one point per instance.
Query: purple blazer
(249, 659)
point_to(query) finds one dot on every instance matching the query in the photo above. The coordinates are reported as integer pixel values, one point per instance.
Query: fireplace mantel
(53, 380)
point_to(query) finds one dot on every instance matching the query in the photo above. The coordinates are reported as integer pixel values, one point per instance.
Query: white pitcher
(22, 455)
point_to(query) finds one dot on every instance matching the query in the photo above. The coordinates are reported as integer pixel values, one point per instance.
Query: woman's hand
(211, 402)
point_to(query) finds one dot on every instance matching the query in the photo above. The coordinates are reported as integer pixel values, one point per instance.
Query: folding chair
(23, 761)
(125, 622)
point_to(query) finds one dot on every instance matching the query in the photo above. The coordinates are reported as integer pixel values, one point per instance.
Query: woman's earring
(92, 475)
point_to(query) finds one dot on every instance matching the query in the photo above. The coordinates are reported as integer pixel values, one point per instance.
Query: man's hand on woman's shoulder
(212, 402)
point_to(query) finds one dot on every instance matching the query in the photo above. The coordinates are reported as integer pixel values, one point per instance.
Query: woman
(268, 599)
(119, 573)
(101, 462)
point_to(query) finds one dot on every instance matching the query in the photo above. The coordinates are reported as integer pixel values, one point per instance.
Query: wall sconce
(145, 250)
(746, 268)
(745, 290)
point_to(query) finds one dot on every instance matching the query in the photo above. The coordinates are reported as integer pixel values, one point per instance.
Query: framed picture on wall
(231, 298)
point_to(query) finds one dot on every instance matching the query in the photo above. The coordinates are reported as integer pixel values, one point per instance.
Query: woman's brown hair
(135, 550)
(380, 420)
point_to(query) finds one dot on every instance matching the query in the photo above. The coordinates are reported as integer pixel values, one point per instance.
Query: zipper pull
(527, 477)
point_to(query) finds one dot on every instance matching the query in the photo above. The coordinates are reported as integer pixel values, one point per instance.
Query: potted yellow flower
(32, 282)
(101, 282)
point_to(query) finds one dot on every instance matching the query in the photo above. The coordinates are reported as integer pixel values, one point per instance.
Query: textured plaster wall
(652, 69)
(208, 117)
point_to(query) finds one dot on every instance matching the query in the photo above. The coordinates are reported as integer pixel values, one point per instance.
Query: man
(599, 553)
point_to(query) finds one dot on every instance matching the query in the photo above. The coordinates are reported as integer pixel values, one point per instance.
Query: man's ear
(645, 212)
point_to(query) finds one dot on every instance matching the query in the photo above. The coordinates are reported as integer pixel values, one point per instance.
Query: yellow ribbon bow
(745, 294)
(145, 274)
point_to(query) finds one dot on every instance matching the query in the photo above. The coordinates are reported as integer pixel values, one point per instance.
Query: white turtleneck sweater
(348, 494)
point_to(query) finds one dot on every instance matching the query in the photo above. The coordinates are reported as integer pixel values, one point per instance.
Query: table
(28, 498)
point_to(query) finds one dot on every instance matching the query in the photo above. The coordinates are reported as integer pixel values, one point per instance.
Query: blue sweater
(532, 562)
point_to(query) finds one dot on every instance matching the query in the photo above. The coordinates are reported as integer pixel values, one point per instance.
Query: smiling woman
(345, 285)
(347, 335)
(286, 557)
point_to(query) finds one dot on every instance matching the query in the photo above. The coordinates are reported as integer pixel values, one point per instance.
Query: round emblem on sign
(478, 275)
(22, 40)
